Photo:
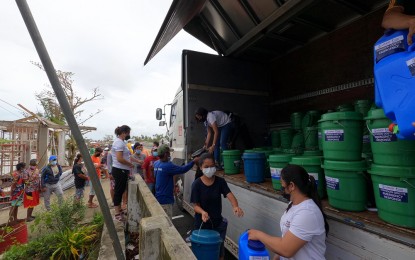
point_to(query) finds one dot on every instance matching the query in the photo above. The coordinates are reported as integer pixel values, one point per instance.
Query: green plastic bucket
(312, 164)
(387, 149)
(310, 119)
(320, 137)
(277, 150)
(362, 106)
(296, 151)
(394, 189)
(276, 163)
(286, 138)
(267, 172)
(313, 153)
(311, 138)
(275, 139)
(346, 184)
(344, 108)
(232, 161)
(296, 120)
(298, 141)
(342, 136)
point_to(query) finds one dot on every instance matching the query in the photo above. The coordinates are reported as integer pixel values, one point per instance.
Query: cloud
(105, 44)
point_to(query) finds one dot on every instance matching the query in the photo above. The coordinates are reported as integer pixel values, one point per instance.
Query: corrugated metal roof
(259, 30)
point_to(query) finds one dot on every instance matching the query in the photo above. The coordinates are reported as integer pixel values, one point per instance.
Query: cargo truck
(275, 58)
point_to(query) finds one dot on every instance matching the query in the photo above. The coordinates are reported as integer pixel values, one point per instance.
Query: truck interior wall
(213, 82)
(341, 57)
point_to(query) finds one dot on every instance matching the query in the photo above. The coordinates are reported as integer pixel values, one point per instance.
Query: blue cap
(52, 158)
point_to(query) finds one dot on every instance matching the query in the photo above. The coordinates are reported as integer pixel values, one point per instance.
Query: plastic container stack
(344, 168)
(392, 171)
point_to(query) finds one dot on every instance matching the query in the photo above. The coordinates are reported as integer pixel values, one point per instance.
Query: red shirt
(148, 166)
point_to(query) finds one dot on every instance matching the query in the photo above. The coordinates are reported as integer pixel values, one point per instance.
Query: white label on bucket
(383, 135)
(393, 193)
(315, 175)
(332, 183)
(411, 66)
(252, 257)
(334, 135)
(275, 173)
(389, 47)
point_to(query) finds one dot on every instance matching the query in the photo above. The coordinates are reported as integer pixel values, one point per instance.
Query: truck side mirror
(159, 114)
(162, 123)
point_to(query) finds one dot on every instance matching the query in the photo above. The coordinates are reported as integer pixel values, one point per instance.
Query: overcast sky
(105, 44)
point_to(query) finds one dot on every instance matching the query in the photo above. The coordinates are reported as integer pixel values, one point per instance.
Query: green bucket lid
(231, 152)
(392, 171)
(363, 102)
(250, 151)
(345, 165)
(306, 160)
(347, 115)
(375, 114)
(277, 150)
(267, 153)
(313, 153)
(280, 157)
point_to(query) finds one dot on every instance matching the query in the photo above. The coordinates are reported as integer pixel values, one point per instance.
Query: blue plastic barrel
(206, 244)
(395, 80)
(251, 249)
(254, 167)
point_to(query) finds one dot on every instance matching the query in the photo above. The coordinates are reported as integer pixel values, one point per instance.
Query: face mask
(286, 196)
(137, 151)
(155, 154)
(32, 167)
(127, 137)
(54, 162)
(208, 172)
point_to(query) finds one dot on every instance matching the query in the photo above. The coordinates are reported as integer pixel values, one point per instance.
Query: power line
(9, 111)
(20, 110)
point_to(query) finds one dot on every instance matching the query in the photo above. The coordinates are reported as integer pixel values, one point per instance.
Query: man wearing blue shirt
(164, 170)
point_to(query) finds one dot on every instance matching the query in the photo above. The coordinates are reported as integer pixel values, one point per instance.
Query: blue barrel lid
(255, 155)
(205, 236)
(256, 245)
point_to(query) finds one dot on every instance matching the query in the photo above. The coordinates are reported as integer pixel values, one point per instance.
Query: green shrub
(39, 248)
(60, 217)
(73, 243)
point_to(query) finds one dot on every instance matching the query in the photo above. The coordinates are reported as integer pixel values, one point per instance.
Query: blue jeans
(224, 136)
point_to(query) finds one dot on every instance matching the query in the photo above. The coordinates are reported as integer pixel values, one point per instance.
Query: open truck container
(276, 58)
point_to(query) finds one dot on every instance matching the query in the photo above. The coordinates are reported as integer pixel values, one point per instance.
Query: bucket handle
(407, 182)
(337, 122)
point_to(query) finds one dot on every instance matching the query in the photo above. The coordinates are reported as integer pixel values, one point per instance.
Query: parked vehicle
(282, 60)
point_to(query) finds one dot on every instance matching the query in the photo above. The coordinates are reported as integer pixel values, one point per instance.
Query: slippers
(92, 205)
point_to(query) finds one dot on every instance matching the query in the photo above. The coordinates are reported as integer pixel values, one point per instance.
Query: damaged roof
(259, 30)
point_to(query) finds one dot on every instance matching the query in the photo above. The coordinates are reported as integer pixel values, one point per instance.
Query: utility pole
(70, 118)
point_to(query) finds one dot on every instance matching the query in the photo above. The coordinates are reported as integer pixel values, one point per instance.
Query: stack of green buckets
(341, 136)
(392, 172)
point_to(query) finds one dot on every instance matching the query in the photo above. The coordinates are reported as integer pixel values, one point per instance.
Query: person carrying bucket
(207, 202)
(225, 127)
(303, 225)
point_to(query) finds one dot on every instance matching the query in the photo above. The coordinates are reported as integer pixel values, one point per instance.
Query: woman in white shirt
(303, 225)
(121, 167)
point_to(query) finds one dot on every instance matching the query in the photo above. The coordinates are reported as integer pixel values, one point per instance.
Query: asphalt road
(184, 223)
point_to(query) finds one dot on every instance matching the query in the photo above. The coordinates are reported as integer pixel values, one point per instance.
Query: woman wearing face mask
(207, 202)
(138, 159)
(303, 225)
(121, 167)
